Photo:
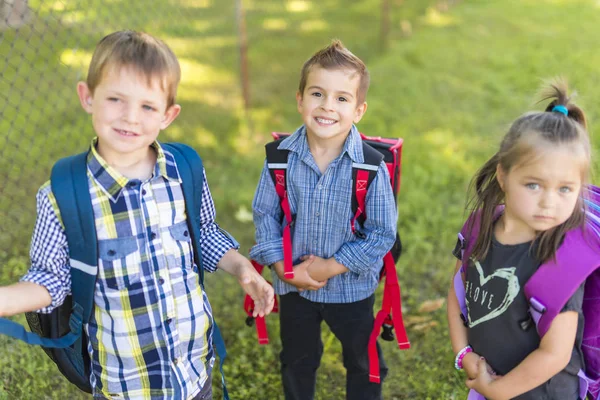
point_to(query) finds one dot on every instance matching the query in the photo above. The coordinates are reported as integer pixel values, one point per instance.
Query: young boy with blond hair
(150, 328)
(336, 271)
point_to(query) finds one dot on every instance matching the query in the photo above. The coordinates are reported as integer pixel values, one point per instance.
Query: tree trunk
(243, 47)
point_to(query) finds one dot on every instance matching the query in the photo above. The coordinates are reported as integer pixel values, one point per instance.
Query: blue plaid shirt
(151, 328)
(322, 206)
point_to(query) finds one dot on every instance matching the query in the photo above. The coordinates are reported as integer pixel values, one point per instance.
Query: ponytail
(562, 123)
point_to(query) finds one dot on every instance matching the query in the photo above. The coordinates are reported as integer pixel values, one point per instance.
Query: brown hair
(525, 136)
(337, 56)
(145, 53)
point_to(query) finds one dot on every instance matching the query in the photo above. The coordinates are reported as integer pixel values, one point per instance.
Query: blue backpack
(61, 333)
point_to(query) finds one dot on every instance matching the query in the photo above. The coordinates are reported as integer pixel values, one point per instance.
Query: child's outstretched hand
(250, 280)
(258, 289)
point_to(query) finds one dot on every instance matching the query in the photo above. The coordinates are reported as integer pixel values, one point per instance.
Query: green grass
(450, 89)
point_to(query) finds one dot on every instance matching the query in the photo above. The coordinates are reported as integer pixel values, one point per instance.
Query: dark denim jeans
(351, 323)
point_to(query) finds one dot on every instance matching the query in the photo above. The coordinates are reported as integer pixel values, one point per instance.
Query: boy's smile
(329, 104)
(128, 112)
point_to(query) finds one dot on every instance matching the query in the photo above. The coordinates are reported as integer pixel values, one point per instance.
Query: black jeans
(351, 323)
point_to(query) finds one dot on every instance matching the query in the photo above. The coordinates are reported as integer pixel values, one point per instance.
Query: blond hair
(140, 51)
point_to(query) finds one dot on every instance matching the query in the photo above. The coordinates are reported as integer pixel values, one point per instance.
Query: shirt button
(176, 361)
(161, 280)
(144, 192)
(169, 320)
(132, 184)
(320, 186)
(185, 233)
(152, 235)
(317, 214)
(111, 252)
(315, 241)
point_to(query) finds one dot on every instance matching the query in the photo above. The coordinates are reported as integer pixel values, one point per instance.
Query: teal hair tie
(561, 109)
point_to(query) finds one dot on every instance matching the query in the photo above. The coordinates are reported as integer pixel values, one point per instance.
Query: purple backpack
(553, 284)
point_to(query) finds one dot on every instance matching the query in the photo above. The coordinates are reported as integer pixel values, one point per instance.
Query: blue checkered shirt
(151, 328)
(321, 204)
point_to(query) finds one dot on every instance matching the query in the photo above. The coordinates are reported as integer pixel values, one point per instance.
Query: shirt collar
(297, 143)
(112, 181)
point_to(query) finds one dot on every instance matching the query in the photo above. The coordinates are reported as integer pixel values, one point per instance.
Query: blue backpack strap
(189, 165)
(68, 174)
(71, 189)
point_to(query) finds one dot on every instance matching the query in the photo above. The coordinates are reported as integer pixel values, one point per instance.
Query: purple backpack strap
(548, 290)
(467, 237)
(591, 334)
(555, 281)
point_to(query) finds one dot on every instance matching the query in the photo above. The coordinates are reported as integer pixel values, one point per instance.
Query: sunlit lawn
(449, 86)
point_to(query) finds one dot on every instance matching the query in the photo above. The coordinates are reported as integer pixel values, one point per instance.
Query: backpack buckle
(537, 305)
(527, 322)
(360, 234)
(76, 319)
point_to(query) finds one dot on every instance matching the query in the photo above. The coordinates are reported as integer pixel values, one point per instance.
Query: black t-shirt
(498, 313)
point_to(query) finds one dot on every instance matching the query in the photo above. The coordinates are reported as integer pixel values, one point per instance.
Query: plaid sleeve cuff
(49, 252)
(216, 242)
(267, 253)
(57, 289)
(351, 260)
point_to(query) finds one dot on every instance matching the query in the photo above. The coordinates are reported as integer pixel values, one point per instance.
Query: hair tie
(561, 109)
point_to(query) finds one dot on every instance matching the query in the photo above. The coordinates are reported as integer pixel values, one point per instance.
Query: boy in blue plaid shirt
(336, 272)
(151, 323)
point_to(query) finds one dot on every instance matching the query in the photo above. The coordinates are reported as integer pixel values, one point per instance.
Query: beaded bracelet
(459, 357)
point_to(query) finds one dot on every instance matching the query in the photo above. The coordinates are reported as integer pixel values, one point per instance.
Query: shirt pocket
(182, 244)
(120, 262)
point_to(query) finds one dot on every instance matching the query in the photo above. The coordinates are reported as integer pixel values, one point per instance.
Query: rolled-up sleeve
(214, 241)
(267, 217)
(365, 254)
(49, 253)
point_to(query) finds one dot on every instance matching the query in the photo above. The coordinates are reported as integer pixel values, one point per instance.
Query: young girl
(537, 175)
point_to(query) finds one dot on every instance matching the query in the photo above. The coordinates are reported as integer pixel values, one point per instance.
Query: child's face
(542, 194)
(329, 104)
(127, 113)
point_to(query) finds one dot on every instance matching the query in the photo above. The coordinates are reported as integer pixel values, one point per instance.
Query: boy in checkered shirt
(150, 329)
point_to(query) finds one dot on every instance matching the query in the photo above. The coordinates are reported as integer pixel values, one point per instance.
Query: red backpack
(375, 149)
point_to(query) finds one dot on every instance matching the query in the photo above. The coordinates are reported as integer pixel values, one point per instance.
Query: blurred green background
(447, 76)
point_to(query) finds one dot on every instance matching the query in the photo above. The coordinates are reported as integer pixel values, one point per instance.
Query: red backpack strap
(362, 177)
(261, 326)
(277, 164)
(390, 315)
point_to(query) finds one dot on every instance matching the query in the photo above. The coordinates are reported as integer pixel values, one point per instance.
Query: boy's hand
(322, 269)
(258, 289)
(250, 280)
(302, 280)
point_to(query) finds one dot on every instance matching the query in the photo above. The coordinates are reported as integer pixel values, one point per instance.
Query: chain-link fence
(45, 47)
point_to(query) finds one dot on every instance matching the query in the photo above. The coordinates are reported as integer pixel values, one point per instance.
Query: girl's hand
(482, 383)
(470, 364)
